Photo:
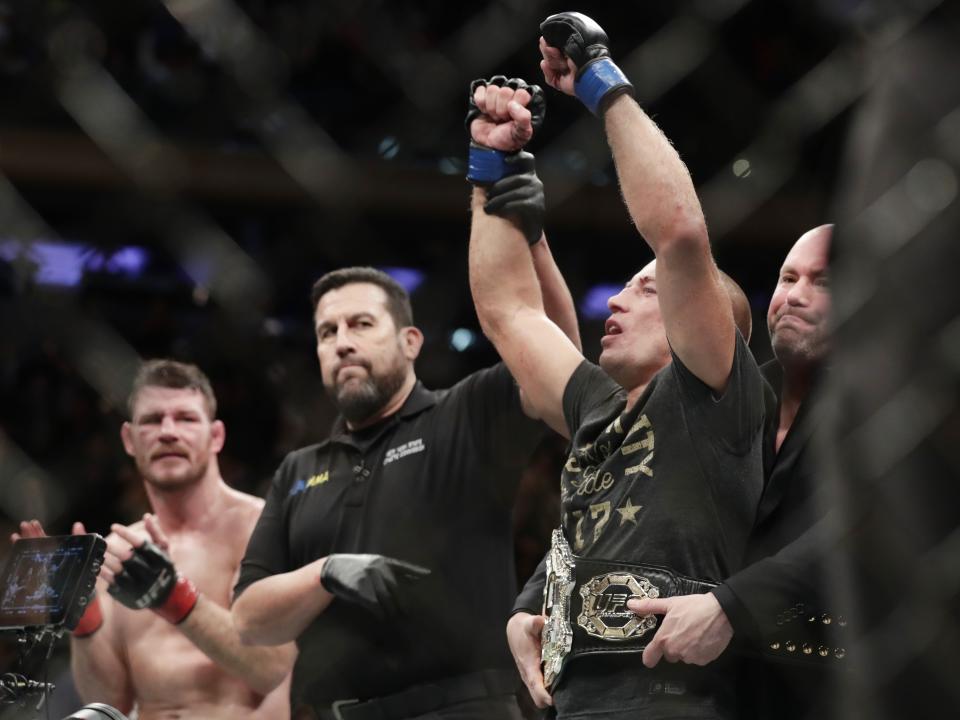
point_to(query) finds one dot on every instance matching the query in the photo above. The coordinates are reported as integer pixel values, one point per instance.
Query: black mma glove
(374, 582)
(487, 165)
(518, 197)
(598, 79)
(149, 580)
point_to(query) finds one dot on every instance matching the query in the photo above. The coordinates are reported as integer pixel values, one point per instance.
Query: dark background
(174, 176)
(250, 148)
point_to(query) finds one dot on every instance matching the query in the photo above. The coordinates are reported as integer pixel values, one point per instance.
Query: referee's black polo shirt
(433, 485)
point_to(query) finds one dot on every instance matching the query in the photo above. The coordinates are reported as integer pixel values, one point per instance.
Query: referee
(386, 550)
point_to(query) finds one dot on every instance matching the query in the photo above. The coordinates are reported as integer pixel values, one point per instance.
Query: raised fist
(504, 114)
(576, 60)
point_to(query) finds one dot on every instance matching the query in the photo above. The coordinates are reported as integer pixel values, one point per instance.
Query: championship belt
(596, 593)
(556, 638)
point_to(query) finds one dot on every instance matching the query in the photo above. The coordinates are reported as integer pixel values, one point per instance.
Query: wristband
(485, 165)
(598, 80)
(91, 620)
(180, 602)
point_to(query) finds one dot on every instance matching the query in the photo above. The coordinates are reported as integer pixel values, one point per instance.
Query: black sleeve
(735, 416)
(588, 388)
(737, 614)
(267, 551)
(496, 413)
(766, 599)
(488, 401)
(530, 598)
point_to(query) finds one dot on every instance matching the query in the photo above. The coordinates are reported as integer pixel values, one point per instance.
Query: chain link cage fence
(174, 175)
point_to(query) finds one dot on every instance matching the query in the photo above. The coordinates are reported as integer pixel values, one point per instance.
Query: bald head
(813, 244)
(799, 314)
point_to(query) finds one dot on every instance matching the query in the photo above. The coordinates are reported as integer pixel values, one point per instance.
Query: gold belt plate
(604, 612)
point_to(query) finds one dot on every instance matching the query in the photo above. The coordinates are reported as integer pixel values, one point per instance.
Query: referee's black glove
(519, 196)
(374, 582)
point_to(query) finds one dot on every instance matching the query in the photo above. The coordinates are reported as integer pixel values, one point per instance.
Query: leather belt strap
(420, 699)
(585, 601)
(599, 616)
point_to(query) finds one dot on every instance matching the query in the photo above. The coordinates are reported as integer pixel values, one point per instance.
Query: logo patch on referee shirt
(401, 451)
(300, 485)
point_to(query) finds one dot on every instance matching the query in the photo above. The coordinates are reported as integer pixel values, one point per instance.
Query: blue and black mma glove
(486, 165)
(598, 79)
(513, 189)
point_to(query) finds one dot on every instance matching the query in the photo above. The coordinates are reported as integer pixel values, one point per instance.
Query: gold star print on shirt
(593, 475)
(628, 512)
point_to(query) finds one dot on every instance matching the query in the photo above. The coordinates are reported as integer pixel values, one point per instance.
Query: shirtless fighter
(184, 659)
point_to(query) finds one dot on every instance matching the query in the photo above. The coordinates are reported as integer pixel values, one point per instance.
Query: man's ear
(411, 339)
(126, 435)
(218, 436)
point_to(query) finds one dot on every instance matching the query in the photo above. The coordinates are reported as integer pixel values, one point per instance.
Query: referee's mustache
(351, 362)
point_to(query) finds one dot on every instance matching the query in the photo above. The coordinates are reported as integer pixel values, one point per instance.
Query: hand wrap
(598, 79)
(149, 580)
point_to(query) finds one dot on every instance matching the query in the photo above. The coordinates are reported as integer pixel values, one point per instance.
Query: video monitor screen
(42, 578)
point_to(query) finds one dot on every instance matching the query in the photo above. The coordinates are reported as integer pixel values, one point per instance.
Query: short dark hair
(742, 314)
(398, 301)
(175, 375)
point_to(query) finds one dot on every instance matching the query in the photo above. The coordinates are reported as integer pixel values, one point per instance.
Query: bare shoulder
(244, 508)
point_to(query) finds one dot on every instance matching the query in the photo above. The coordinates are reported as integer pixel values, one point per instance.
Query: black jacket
(791, 637)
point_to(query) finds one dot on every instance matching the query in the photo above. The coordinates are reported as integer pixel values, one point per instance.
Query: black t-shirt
(674, 481)
(432, 485)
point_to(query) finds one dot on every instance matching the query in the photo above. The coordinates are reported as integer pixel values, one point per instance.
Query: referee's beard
(359, 400)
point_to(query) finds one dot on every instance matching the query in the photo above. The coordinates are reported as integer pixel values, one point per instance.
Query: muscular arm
(277, 609)
(210, 627)
(557, 301)
(98, 663)
(510, 307)
(207, 625)
(660, 196)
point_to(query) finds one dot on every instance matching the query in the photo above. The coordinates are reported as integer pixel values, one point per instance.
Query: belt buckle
(604, 612)
(556, 638)
(339, 704)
